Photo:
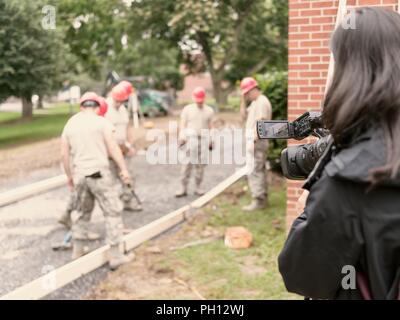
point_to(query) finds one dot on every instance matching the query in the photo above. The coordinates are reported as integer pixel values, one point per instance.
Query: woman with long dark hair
(346, 243)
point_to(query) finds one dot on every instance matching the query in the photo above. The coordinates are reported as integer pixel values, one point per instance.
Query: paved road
(28, 228)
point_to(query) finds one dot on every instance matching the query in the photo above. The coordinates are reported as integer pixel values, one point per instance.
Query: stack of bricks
(311, 23)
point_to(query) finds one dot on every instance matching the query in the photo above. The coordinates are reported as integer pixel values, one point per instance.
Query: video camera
(297, 161)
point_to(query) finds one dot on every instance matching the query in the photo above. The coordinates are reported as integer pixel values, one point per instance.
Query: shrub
(274, 86)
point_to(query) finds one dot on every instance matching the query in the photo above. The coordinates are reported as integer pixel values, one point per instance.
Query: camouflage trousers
(196, 153)
(124, 192)
(72, 202)
(257, 178)
(88, 190)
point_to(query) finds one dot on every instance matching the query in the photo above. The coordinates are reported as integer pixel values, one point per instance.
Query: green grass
(7, 116)
(233, 103)
(45, 124)
(223, 273)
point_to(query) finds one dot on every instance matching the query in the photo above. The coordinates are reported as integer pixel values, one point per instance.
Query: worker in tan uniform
(118, 115)
(259, 108)
(65, 218)
(88, 140)
(195, 119)
(133, 105)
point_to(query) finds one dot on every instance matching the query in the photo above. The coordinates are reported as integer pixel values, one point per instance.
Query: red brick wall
(311, 23)
(193, 81)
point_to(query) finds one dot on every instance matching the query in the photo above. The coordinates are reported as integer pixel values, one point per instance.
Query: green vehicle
(154, 103)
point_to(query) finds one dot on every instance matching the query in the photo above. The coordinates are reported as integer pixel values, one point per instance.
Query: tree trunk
(27, 108)
(40, 102)
(220, 95)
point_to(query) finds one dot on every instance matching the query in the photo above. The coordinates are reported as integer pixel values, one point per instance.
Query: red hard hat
(103, 106)
(248, 84)
(119, 93)
(89, 96)
(127, 85)
(199, 94)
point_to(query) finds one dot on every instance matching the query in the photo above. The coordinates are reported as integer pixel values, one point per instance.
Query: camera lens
(298, 161)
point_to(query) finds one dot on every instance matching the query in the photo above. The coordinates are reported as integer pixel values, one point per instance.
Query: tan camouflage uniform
(85, 134)
(257, 179)
(195, 151)
(72, 205)
(120, 119)
(104, 192)
(193, 121)
(258, 110)
(124, 191)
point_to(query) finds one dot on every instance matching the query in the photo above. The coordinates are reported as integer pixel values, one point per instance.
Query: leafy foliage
(93, 30)
(107, 35)
(230, 38)
(30, 56)
(152, 58)
(274, 86)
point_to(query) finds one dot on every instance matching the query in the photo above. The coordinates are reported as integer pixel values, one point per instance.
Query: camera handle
(320, 133)
(322, 162)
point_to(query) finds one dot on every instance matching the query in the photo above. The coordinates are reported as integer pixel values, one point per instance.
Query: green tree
(31, 58)
(231, 38)
(153, 58)
(102, 38)
(93, 30)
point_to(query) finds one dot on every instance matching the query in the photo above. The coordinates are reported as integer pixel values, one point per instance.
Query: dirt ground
(150, 277)
(21, 160)
(147, 277)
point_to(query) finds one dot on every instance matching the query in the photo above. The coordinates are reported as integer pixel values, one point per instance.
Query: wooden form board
(155, 228)
(24, 192)
(58, 278)
(198, 203)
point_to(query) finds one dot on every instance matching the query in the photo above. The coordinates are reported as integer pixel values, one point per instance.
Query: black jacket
(346, 223)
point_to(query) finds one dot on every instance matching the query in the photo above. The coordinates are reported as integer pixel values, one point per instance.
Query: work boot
(79, 249)
(199, 191)
(132, 205)
(117, 258)
(181, 192)
(65, 219)
(92, 236)
(256, 204)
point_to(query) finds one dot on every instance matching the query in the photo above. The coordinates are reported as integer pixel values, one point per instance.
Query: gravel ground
(28, 163)
(29, 228)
